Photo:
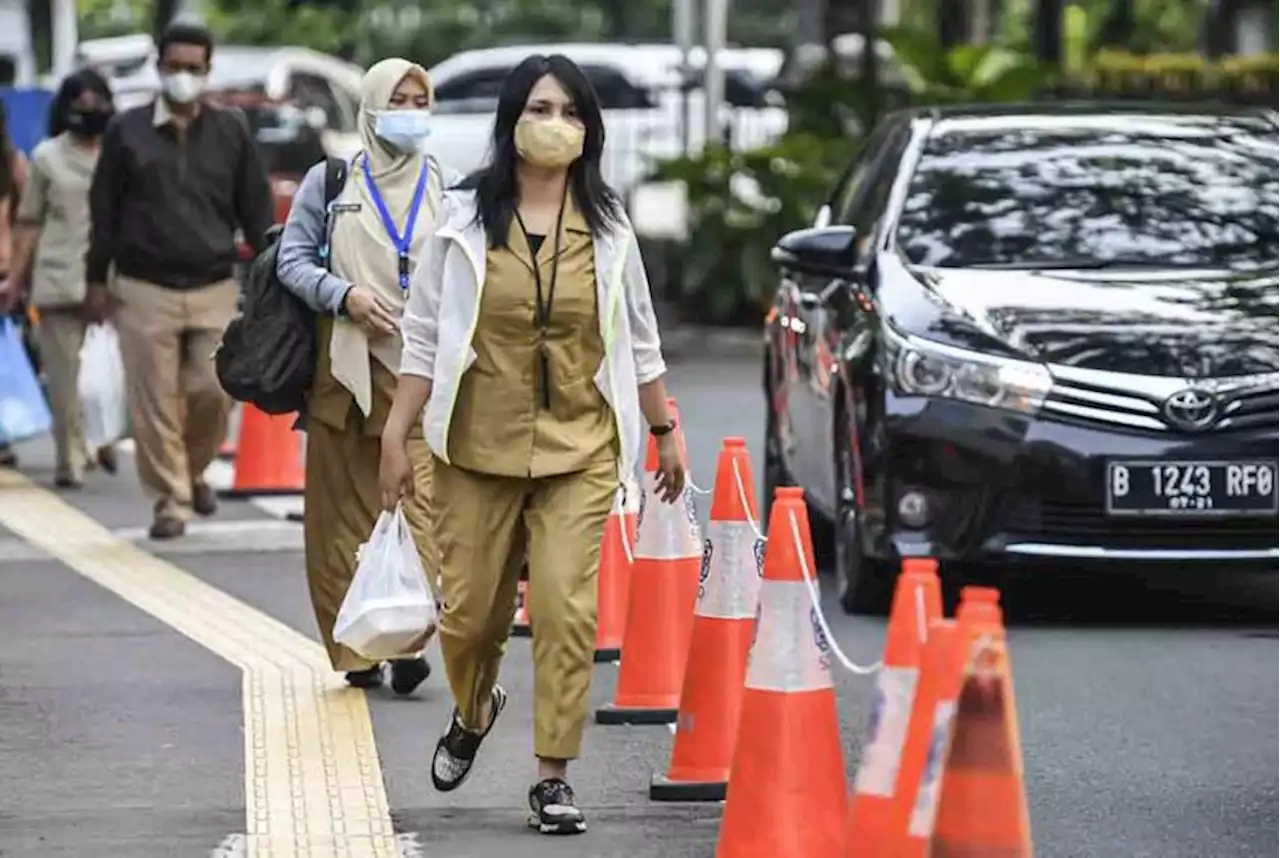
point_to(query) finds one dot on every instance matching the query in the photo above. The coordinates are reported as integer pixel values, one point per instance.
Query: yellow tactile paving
(313, 783)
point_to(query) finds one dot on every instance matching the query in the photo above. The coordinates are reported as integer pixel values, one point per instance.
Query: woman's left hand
(670, 469)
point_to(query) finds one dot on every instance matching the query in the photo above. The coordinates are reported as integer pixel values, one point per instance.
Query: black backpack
(268, 352)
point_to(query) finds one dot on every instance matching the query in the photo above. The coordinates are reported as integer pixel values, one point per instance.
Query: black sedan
(1035, 333)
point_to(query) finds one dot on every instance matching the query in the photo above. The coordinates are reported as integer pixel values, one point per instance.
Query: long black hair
(73, 86)
(495, 185)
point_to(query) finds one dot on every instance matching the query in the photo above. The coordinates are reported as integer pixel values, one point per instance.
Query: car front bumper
(1005, 487)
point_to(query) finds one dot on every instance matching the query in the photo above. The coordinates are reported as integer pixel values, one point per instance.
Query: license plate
(1191, 488)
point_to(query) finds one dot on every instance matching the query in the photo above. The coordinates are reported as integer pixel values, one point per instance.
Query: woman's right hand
(395, 475)
(370, 312)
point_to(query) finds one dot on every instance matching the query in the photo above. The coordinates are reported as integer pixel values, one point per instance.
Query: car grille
(1074, 523)
(1101, 400)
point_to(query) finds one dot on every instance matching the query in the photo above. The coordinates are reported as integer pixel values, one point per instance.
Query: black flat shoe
(456, 751)
(408, 673)
(369, 678)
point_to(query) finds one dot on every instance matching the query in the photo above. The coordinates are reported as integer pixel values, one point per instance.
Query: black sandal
(456, 751)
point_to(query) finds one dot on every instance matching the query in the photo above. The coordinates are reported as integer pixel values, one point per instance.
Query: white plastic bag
(101, 386)
(389, 606)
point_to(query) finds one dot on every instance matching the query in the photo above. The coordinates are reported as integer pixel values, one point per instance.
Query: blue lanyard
(401, 242)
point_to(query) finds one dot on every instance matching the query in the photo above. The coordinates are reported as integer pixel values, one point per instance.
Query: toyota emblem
(1191, 410)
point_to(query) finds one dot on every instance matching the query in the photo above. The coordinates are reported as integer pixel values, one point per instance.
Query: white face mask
(406, 130)
(183, 87)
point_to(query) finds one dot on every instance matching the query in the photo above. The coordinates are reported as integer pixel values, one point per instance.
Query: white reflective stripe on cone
(667, 531)
(730, 585)
(790, 652)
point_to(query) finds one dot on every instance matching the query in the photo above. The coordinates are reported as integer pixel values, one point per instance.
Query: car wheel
(865, 582)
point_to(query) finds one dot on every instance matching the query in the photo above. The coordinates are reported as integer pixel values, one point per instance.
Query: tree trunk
(161, 14)
(953, 23)
(1046, 31)
(1117, 31)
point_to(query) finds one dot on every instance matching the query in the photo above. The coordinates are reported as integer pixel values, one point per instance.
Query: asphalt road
(1147, 707)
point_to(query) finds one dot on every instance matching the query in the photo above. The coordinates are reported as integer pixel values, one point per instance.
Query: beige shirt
(57, 200)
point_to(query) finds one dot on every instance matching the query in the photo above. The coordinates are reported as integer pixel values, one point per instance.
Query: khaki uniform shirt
(500, 425)
(56, 199)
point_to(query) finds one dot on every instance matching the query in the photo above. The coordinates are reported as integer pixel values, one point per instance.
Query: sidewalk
(129, 717)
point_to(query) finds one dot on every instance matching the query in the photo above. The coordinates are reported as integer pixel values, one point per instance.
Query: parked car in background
(640, 88)
(1036, 333)
(298, 76)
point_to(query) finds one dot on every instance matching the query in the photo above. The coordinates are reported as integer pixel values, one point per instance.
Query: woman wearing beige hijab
(352, 268)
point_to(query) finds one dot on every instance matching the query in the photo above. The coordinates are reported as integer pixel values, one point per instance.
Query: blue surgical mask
(403, 129)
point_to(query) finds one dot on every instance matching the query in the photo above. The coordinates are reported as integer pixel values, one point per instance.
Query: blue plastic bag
(24, 413)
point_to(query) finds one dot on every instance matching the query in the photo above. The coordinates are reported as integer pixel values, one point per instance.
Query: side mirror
(821, 251)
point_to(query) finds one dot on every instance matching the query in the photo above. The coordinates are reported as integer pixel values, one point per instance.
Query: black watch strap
(659, 431)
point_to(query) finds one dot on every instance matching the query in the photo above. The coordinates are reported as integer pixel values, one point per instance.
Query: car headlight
(917, 367)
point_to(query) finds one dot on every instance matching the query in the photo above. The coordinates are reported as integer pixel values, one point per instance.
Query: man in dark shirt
(174, 181)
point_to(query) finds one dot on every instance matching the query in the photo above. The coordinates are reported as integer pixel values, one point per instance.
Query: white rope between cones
(810, 581)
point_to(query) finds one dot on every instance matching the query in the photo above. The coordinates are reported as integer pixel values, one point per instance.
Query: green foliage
(739, 203)
(1249, 79)
(1170, 25)
(987, 73)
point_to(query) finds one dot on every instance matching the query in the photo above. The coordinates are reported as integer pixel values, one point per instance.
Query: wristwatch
(666, 429)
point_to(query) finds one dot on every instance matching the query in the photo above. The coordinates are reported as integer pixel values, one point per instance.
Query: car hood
(1183, 324)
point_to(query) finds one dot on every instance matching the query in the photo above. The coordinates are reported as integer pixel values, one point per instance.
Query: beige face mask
(549, 143)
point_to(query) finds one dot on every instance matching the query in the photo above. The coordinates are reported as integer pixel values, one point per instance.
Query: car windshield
(1123, 190)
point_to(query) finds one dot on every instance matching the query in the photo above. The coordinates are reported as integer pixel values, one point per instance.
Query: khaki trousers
(60, 335)
(484, 525)
(177, 408)
(341, 505)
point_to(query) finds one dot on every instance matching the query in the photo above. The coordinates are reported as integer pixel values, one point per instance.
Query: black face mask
(87, 123)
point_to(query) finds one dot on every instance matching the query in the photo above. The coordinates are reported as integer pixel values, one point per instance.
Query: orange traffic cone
(786, 796)
(269, 457)
(982, 808)
(616, 556)
(723, 626)
(660, 600)
(971, 798)
(934, 701)
(916, 602)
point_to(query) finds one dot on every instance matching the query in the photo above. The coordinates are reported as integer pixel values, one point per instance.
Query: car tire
(866, 583)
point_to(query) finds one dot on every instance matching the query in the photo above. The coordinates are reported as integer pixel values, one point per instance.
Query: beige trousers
(60, 335)
(177, 408)
(341, 505)
(484, 526)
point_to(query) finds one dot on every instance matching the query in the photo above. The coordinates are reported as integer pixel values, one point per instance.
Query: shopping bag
(102, 387)
(389, 606)
(24, 413)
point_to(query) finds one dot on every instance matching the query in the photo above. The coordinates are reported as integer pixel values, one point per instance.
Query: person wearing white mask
(175, 181)
(352, 268)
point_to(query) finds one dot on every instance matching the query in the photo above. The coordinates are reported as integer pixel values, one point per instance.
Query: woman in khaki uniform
(52, 231)
(530, 340)
(381, 219)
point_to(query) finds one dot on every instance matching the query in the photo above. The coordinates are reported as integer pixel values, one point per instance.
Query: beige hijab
(362, 252)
